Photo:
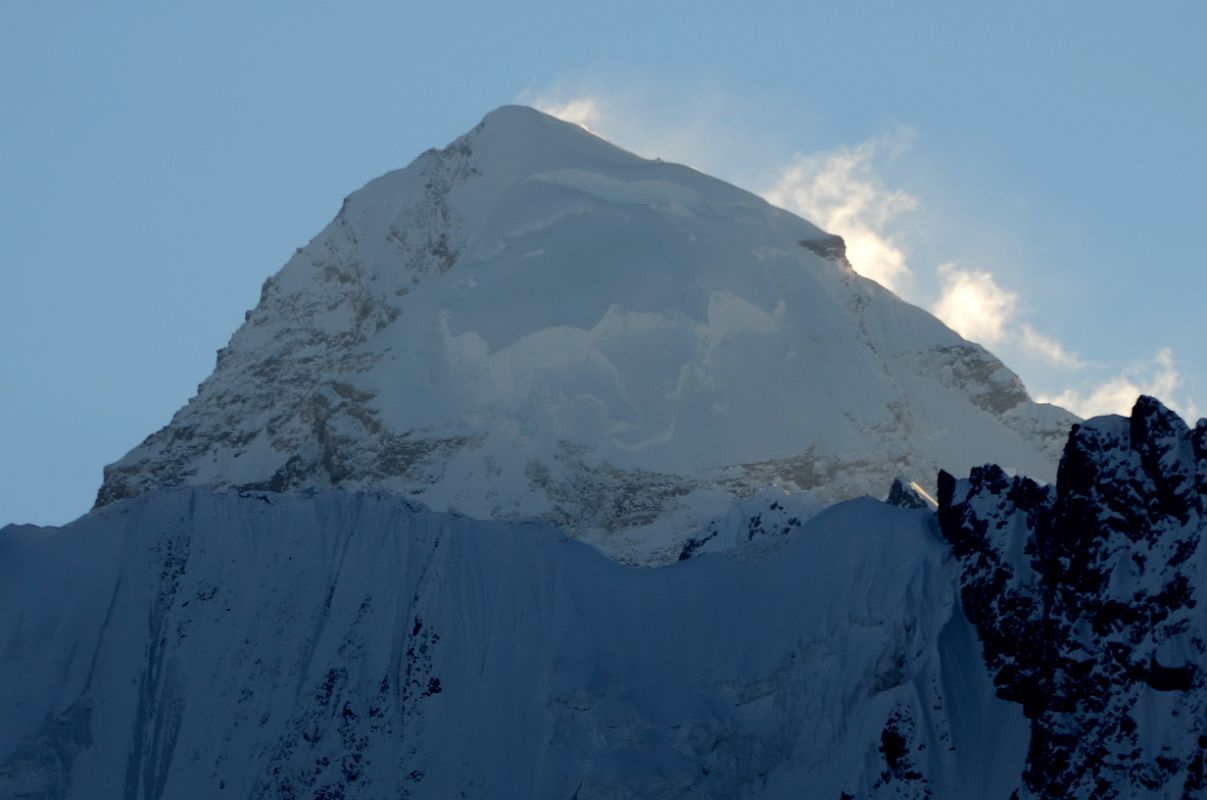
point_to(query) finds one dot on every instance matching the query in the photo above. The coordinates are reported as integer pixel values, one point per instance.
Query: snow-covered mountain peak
(528, 141)
(534, 323)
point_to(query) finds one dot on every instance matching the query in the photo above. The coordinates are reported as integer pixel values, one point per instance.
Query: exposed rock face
(831, 247)
(281, 410)
(769, 514)
(907, 494)
(1086, 599)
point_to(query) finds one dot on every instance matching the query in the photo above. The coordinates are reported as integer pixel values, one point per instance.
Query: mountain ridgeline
(542, 471)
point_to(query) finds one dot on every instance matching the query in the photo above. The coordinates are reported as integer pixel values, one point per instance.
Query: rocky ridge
(1086, 597)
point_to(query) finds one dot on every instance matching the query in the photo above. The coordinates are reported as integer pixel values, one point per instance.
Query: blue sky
(1034, 173)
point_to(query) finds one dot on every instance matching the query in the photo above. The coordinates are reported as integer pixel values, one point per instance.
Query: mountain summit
(534, 323)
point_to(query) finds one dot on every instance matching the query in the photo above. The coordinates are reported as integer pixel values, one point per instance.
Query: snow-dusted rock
(908, 494)
(535, 324)
(1086, 596)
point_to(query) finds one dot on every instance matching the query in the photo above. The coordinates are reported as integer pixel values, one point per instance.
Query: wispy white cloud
(1116, 395)
(683, 128)
(973, 304)
(1047, 349)
(585, 111)
(977, 307)
(842, 192)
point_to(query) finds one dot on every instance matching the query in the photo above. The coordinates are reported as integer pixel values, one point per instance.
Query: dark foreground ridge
(1085, 597)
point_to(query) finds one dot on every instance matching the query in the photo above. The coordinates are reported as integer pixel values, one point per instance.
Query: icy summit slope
(534, 324)
(188, 644)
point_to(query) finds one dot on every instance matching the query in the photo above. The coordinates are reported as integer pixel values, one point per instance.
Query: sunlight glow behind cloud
(973, 305)
(1047, 349)
(685, 135)
(841, 192)
(582, 111)
(1118, 394)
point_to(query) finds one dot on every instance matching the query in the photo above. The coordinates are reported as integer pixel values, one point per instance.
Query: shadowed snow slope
(535, 324)
(189, 644)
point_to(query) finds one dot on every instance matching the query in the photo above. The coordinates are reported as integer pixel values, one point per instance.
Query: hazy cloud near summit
(582, 111)
(683, 128)
(1116, 395)
(975, 306)
(842, 191)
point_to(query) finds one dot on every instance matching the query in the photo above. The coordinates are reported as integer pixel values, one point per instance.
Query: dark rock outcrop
(832, 247)
(907, 494)
(1085, 599)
